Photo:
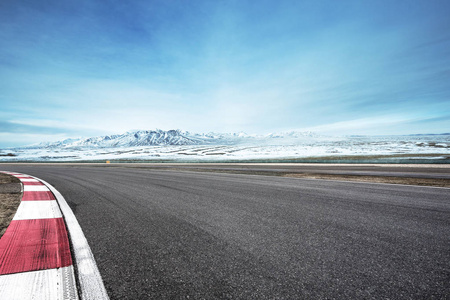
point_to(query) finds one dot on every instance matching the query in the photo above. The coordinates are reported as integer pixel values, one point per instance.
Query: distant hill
(428, 134)
(171, 137)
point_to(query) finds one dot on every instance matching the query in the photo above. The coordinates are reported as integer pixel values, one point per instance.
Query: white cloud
(24, 139)
(372, 125)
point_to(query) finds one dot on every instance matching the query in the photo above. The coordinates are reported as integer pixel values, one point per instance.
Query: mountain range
(170, 137)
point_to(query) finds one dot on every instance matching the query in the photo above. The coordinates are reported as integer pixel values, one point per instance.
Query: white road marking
(38, 210)
(89, 278)
(35, 188)
(45, 284)
(28, 180)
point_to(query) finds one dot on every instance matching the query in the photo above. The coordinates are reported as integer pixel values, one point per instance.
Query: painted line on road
(32, 183)
(36, 244)
(39, 285)
(89, 279)
(35, 196)
(24, 180)
(35, 188)
(37, 210)
(35, 257)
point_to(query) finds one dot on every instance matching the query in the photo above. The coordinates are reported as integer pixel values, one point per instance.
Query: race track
(166, 234)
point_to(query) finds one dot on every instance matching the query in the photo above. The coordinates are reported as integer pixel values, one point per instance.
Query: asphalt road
(174, 235)
(389, 170)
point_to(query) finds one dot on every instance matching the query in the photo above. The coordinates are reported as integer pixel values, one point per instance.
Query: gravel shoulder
(10, 196)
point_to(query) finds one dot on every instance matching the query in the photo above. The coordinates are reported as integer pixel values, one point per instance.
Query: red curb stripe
(31, 183)
(31, 245)
(40, 195)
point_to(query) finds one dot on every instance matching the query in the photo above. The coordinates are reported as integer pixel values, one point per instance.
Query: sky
(96, 67)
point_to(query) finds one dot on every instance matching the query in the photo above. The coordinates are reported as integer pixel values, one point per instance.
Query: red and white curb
(35, 257)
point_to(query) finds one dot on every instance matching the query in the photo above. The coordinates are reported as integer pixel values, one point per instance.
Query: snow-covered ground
(181, 146)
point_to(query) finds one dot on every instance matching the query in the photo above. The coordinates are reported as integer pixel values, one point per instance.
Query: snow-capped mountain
(182, 146)
(171, 137)
(128, 139)
(294, 134)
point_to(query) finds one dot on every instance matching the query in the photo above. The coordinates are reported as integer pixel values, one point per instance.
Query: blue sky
(86, 68)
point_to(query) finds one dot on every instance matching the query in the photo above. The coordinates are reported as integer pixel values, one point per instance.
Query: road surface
(176, 234)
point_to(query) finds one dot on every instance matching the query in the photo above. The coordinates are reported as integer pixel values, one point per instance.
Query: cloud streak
(90, 66)
(13, 127)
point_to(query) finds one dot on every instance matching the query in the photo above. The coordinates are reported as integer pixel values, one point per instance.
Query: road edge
(36, 260)
(89, 279)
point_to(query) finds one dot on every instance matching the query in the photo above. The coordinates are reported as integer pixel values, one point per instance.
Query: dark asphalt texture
(160, 234)
(415, 171)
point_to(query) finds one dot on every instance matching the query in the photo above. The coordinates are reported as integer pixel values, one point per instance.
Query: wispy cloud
(385, 124)
(14, 127)
(87, 66)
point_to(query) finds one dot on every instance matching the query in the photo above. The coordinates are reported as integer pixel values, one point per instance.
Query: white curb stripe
(35, 188)
(28, 180)
(37, 210)
(52, 284)
(89, 278)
